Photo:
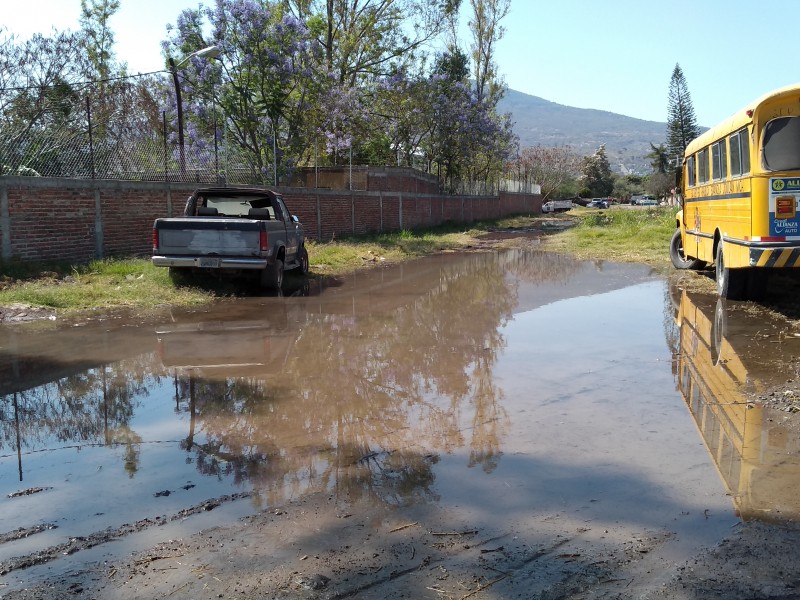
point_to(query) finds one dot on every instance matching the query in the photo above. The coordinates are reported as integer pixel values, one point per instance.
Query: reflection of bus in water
(723, 355)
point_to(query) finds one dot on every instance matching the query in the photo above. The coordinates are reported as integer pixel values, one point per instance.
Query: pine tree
(682, 125)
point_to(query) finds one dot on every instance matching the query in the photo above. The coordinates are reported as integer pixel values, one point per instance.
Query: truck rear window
(238, 206)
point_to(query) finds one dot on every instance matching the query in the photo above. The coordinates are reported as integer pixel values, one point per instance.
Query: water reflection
(722, 354)
(323, 395)
(359, 391)
(285, 393)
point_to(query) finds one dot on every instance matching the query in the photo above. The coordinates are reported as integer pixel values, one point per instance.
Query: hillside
(627, 140)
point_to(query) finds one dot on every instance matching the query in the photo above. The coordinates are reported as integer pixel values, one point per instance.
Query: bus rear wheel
(679, 260)
(730, 282)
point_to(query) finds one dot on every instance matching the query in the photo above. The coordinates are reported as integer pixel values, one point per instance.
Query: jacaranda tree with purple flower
(334, 80)
(264, 82)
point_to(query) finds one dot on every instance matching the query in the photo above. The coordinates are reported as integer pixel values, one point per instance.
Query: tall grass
(349, 252)
(635, 235)
(103, 283)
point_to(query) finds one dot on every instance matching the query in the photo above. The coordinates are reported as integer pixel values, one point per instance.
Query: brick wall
(78, 220)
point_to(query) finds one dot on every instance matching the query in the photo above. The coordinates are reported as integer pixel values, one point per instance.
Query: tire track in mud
(429, 563)
(78, 543)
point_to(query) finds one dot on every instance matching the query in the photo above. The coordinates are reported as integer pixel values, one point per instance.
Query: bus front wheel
(677, 256)
(730, 282)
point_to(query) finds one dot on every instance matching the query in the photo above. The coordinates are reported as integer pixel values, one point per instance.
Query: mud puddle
(517, 394)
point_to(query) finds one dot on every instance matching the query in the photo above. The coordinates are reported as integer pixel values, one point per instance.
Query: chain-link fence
(120, 136)
(118, 131)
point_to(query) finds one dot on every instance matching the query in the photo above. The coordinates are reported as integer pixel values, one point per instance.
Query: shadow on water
(430, 384)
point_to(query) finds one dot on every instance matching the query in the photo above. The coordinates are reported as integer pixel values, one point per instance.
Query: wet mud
(483, 425)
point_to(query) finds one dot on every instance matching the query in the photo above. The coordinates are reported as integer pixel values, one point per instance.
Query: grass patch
(347, 253)
(640, 235)
(99, 284)
(626, 235)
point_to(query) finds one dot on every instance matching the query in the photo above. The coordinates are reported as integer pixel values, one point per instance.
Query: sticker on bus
(784, 197)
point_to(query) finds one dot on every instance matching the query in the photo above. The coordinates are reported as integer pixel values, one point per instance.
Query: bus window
(702, 166)
(782, 144)
(719, 161)
(690, 180)
(740, 153)
(736, 155)
(744, 144)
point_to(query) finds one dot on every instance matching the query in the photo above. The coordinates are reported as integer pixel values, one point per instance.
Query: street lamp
(207, 52)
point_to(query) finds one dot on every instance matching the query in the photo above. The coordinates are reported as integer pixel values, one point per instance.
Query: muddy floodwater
(518, 391)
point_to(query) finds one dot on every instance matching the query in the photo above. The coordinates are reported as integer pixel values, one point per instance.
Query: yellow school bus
(740, 184)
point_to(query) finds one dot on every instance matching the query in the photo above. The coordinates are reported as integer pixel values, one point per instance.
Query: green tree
(486, 32)
(659, 158)
(489, 152)
(682, 125)
(596, 172)
(97, 35)
(366, 39)
(625, 186)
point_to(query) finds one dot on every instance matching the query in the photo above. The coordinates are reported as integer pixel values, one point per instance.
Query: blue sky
(614, 55)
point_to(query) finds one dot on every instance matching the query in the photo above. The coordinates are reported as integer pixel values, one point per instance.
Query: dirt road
(317, 549)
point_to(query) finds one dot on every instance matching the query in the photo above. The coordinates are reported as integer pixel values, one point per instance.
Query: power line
(81, 83)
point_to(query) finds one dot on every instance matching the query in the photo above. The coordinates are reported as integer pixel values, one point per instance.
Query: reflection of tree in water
(230, 443)
(672, 303)
(363, 393)
(361, 396)
(540, 267)
(90, 407)
(132, 440)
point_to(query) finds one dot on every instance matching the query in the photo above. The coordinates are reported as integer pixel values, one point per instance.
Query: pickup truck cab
(232, 231)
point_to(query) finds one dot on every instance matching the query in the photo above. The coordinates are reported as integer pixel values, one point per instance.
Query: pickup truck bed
(232, 231)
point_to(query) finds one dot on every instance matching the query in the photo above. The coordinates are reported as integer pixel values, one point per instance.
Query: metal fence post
(164, 135)
(216, 150)
(91, 141)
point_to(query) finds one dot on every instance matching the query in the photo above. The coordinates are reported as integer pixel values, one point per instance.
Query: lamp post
(207, 52)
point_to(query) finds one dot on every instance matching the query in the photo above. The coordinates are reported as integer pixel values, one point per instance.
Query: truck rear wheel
(272, 276)
(302, 261)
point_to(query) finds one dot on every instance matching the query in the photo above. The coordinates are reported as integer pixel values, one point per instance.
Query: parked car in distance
(598, 203)
(644, 200)
(557, 206)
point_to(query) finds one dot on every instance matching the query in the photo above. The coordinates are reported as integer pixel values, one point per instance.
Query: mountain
(540, 122)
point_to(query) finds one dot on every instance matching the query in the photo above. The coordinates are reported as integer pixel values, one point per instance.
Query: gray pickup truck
(232, 231)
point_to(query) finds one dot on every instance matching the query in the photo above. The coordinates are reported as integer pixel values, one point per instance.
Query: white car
(598, 203)
(557, 206)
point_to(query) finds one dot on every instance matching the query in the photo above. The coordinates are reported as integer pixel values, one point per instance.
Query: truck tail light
(155, 239)
(263, 240)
